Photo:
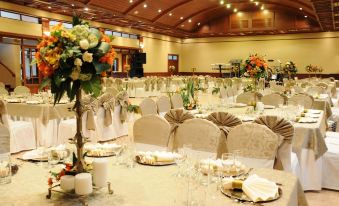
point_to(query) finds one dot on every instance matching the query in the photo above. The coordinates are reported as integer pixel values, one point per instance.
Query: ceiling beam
(133, 6)
(170, 9)
(202, 11)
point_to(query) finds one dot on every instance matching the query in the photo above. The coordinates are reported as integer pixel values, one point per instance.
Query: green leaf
(92, 87)
(101, 67)
(45, 82)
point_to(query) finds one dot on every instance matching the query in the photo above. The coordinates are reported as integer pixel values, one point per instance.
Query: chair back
(148, 106)
(285, 132)
(273, 99)
(151, 129)
(302, 99)
(164, 104)
(2, 85)
(22, 90)
(112, 90)
(316, 90)
(202, 134)
(177, 101)
(3, 91)
(248, 97)
(257, 144)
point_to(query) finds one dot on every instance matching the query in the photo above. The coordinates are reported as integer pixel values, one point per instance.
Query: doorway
(30, 73)
(173, 64)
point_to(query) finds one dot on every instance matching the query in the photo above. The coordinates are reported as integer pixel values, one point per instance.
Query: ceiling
(201, 18)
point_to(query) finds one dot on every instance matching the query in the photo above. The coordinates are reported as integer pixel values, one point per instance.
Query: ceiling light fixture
(265, 12)
(170, 14)
(190, 20)
(130, 1)
(222, 2)
(235, 10)
(159, 10)
(181, 18)
(49, 7)
(182, 25)
(198, 23)
(256, 3)
(300, 9)
(72, 5)
(145, 5)
(305, 16)
(262, 7)
(136, 12)
(228, 6)
(86, 9)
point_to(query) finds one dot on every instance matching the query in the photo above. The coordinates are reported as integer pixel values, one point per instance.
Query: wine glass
(180, 159)
(227, 163)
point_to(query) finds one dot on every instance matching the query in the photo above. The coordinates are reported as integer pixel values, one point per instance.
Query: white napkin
(34, 154)
(313, 111)
(307, 120)
(259, 189)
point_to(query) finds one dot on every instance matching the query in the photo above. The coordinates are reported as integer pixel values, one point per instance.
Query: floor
(324, 197)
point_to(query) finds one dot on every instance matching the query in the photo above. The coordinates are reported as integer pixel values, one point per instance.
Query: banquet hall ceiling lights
(203, 18)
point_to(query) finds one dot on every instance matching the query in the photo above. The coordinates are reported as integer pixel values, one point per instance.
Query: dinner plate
(242, 197)
(106, 154)
(138, 159)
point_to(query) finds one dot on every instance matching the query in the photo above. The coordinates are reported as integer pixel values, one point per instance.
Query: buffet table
(141, 185)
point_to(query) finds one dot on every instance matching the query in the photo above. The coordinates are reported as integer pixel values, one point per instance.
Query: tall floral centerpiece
(313, 69)
(290, 69)
(71, 61)
(254, 67)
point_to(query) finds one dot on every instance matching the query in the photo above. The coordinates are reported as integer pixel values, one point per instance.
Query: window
(67, 25)
(31, 72)
(125, 35)
(175, 57)
(10, 15)
(170, 57)
(116, 33)
(107, 32)
(132, 36)
(30, 19)
(116, 65)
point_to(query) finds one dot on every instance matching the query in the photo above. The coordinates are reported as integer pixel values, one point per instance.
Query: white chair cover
(3, 91)
(164, 105)
(248, 97)
(2, 85)
(148, 106)
(302, 99)
(202, 134)
(21, 90)
(257, 144)
(330, 173)
(176, 101)
(273, 99)
(151, 130)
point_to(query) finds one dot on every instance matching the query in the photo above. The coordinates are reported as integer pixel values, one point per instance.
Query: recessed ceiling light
(228, 6)
(49, 7)
(159, 10)
(181, 17)
(198, 23)
(265, 12)
(170, 14)
(222, 2)
(190, 20)
(300, 9)
(305, 16)
(182, 25)
(130, 1)
(86, 9)
(235, 10)
(145, 5)
(251, 0)
(136, 12)
(262, 7)
(256, 3)
(239, 14)
(72, 5)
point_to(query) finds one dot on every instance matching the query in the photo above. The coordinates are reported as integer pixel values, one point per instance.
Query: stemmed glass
(180, 159)
(228, 163)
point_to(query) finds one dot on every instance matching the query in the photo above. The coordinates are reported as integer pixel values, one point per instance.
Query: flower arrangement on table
(314, 69)
(290, 68)
(72, 60)
(255, 67)
(188, 95)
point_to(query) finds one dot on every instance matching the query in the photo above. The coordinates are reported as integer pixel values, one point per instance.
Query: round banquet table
(141, 185)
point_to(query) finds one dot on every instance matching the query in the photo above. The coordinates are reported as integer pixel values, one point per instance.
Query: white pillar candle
(100, 172)
(83, 184)
(67, 182)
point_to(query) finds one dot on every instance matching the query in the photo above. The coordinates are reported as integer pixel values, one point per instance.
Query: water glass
(53, 158)
(5, 168)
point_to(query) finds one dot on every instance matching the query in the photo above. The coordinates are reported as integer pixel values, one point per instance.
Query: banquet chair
(285, 132)
(151, 132)
(22, 135)
(175, 117)
(306, 84)
(140, 88)
(148, 106)
(3, 91)
(316, 90)
(164, 105)
(104, 119)
(202, 134)
(248, 97)
(278, 88)
(177, 101)
(22, 90)
(225, 121)
(298, 89)
(112, 90)
(322, 84)
(330, 162)
(257, 144)
(302, 99)
(223, 93)
(273, 99)
(4, 139)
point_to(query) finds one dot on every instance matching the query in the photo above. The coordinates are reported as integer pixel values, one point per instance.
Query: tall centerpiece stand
(72, 61)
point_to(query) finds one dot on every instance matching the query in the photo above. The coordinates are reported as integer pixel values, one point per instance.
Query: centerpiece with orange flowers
(71, 61)
(254, 67)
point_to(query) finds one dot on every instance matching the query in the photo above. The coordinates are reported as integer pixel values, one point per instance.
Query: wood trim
(24, 36)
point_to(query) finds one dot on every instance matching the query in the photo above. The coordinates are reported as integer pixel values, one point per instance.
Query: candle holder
(82, 198)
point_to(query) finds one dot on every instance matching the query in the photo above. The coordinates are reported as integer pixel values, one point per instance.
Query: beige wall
(20, 27)
(10, 56)
(320, 49)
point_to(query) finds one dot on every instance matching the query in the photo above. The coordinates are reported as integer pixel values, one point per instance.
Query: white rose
(78, 62)
(84, 44)
(75, 74)
(87, 57)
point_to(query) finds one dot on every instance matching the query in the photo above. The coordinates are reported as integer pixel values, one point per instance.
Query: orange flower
(103, 74)
(50, 182)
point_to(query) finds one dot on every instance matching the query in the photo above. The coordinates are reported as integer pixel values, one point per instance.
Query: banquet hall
(169, 102)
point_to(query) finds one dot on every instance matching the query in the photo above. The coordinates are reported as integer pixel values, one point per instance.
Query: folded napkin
(34, 154)
(312, 111)
(157, 156)
(307, 120)
(255, 187)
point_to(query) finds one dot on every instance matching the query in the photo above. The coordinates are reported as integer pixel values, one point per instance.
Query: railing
(7, 68)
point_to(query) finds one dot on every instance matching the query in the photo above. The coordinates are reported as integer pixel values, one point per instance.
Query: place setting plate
(140, 159)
